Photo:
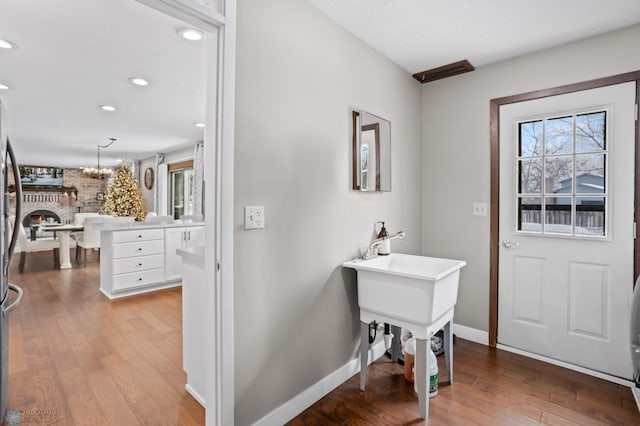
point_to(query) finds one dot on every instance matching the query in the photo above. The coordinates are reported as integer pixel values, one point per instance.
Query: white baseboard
(482, 337)
(140, 290)
(195, 395)
(472, 334)
(636, 395)
(593, 373)
(315, 392)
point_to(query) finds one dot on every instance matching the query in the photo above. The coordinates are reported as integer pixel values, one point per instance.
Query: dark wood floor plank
(491, 387)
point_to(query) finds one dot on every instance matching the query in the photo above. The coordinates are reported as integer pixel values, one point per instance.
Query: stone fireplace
(37, 217)
(78, 193)
(34, 218)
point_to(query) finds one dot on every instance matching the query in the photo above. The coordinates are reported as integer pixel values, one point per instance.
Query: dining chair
(90, 238)
(78, 219)
(24, 245)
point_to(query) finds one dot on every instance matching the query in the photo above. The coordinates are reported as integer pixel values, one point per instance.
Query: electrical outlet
(479, 209)
(253, 217)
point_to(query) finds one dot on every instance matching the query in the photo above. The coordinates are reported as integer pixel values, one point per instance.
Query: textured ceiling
(424, 34)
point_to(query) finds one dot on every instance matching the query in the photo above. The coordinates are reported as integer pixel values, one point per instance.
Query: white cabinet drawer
(137, 279)
(139, 248)
(137, 235)
(138, 263)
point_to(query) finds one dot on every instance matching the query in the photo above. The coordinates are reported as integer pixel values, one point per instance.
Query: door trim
(494, 127)
(218, 19)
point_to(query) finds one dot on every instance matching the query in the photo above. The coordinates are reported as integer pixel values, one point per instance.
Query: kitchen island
(139, 257)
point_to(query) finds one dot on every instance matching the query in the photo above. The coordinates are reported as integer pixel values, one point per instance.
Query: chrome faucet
(375, 244)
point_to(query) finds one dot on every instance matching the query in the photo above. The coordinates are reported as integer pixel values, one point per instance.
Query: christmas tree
(124, 197)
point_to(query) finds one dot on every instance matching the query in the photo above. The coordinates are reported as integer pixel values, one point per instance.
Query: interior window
(562, 175)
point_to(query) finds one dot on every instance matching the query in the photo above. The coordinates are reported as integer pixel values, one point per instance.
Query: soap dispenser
(384, 248)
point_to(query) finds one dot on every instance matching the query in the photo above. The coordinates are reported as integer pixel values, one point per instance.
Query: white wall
(456, 148)
(298, 76)
(180, 154)
(149, 194)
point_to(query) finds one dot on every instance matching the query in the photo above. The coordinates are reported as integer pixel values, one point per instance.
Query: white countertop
(192, 255)
(142, 225)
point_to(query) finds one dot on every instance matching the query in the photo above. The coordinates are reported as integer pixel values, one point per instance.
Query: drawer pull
(139, 236)
(140, 249)
(139, 279)
(139, 264)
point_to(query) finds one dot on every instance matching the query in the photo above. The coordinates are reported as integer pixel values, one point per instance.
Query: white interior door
(566, 227)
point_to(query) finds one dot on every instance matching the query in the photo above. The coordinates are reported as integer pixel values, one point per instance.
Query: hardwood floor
(76, 358)
(492, 387)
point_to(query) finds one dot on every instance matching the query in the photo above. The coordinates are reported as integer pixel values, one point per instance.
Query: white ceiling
(75, 55)
(424, 34)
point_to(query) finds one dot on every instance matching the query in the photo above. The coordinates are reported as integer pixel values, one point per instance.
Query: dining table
(63, 232)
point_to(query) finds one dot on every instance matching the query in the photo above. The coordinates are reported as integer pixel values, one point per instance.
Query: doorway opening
(181, 189)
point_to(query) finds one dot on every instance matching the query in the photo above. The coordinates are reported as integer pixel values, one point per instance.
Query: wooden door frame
(494, 112)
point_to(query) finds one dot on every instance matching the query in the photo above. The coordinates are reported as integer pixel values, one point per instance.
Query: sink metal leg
(422, 381)
(448, 350)
(364, 352)
(395, 344)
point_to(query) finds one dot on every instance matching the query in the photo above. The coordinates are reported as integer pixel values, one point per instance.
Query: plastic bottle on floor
(432, 374)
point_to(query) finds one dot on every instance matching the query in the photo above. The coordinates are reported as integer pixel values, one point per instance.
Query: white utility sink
(415, 292)
(406, 290)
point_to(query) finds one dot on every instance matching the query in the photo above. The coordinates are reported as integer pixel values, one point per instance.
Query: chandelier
(99, 172)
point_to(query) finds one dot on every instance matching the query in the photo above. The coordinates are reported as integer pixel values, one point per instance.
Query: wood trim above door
(187, 164)
(494, 120)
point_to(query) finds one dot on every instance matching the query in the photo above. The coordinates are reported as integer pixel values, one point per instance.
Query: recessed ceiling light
(109, 108)
(199, 124)
(4, 87)
(191, 34)
(6, 44)
(139, 81)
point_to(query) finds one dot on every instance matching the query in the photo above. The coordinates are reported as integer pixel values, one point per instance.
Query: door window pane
(530, 139)
(177, 192)
(557, 217)
(530, 176)
(590, 177)
(563, 189)
(530, 214)
(558, 173)
(590, 132)
(182, 192)
(558, 135)
(590, 216)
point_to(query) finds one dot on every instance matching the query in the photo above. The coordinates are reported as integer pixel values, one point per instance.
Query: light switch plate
(479, 209)
(253, 217)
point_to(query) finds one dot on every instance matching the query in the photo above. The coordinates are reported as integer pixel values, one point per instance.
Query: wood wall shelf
(60, 189)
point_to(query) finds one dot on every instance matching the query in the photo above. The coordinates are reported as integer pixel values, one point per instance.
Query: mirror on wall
(371, 152)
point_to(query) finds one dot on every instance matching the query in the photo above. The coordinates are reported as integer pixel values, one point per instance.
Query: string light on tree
(124, 197)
